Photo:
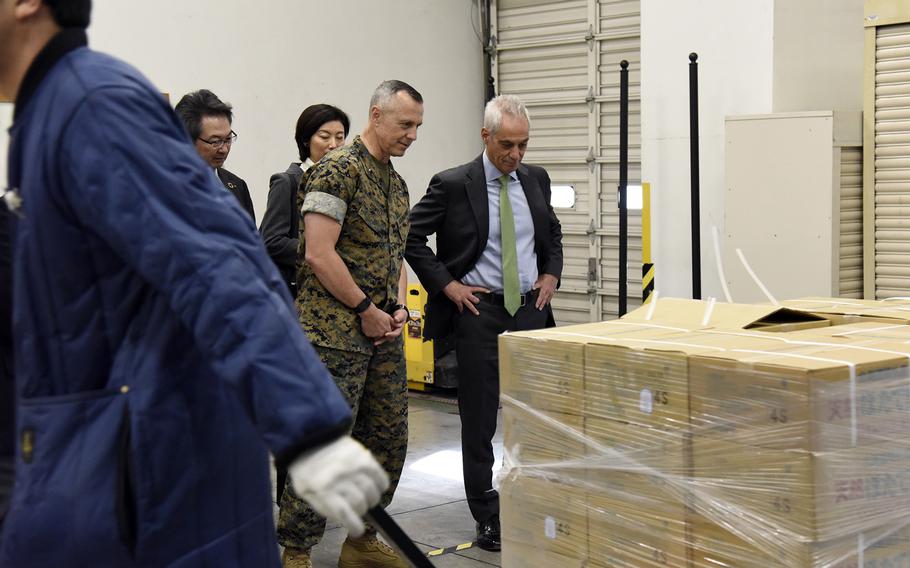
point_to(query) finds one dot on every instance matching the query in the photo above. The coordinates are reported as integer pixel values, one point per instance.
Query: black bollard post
(693, 157)
(488, 53)
(623, 184)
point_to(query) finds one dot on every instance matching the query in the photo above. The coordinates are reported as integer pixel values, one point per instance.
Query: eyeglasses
(218, 142)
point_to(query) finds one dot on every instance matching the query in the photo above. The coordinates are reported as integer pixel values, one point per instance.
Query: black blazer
(238, 187)
(280, 226)
(456, 209)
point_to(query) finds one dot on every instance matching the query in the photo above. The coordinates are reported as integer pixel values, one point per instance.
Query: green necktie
(510, 287)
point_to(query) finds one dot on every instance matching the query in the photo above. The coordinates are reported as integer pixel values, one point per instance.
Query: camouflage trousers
(376, 388)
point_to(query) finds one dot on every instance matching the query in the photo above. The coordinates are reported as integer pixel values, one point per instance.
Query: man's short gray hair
(387, 89)
(503, 104)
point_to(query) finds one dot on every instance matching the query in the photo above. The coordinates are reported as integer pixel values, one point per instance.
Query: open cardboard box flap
(847, 310)
(700, 313)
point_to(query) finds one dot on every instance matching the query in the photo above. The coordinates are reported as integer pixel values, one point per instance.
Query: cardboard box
(532, 438)
(698, 314)
(636, 532)
(883, 548)
(542, 520)
(790, 327)
(544, 368)
(515, 555)
(643, 377)
(761, 389)
(543, 371)
(713, 546)
(789, 396)
(843, 311)
(636, 383)
(634, 373)
(637, 480)
(857, 333)
(796, 440)
(806, 496)
(619, 491)
(615, 446)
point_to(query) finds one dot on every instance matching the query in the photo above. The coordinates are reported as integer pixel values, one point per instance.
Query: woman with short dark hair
(320, 129)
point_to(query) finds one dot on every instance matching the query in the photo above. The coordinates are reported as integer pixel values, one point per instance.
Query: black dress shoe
(488, 537)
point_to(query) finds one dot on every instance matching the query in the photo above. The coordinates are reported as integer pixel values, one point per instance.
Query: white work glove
(341, 480)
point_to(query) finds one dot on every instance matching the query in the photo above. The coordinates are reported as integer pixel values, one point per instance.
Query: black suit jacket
(238, 187)
(280, 226)
(456, 209)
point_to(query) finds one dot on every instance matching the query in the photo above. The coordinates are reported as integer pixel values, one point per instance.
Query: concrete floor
(429, 504)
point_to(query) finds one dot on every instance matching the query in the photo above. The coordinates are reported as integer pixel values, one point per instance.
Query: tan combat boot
(369, 552)
(296, 558)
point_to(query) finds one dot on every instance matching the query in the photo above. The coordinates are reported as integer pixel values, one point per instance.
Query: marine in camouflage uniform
(370, 201)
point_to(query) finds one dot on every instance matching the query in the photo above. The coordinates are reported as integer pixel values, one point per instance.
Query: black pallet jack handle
(397, 538)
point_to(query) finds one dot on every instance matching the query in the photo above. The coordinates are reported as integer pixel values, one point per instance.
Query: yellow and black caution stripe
(450, 550)
(647, 281)
(647, 267)
(397, 537)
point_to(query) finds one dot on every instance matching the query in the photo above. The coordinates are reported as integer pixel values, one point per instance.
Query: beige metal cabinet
(794, 204)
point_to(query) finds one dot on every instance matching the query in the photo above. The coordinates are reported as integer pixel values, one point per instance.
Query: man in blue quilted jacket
(157, 355)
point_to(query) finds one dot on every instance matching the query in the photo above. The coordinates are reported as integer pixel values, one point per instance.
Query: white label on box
(549, 527)
(646, 401)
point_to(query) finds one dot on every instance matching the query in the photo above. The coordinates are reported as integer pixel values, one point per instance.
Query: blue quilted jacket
(156, 349)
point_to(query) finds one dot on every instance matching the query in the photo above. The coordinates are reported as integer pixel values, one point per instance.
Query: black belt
(498, 299)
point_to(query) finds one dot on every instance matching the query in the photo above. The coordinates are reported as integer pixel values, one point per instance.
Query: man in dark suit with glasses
(208, 120)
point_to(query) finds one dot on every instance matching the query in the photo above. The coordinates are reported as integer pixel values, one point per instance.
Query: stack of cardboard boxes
(693, 435)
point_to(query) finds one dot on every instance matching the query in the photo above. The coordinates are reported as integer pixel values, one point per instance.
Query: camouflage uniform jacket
(345, 186)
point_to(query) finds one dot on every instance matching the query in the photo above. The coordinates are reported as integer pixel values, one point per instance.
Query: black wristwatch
(394, 308)
(363, 305)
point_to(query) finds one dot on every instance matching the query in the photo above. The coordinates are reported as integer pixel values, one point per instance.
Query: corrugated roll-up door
(620, 39)
(562, 57)
(851, 222)
(892, 161)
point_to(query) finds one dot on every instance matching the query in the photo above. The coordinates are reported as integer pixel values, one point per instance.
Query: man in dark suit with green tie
(496, 267)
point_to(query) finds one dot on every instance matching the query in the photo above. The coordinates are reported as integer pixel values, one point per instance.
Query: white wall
(755, 57)
(734, 42)
(270, 60)
(818, 55)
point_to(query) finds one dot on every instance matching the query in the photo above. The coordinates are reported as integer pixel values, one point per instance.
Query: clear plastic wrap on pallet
(641, 444)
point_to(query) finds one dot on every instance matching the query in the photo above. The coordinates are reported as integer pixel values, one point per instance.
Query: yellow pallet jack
(429, 363)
